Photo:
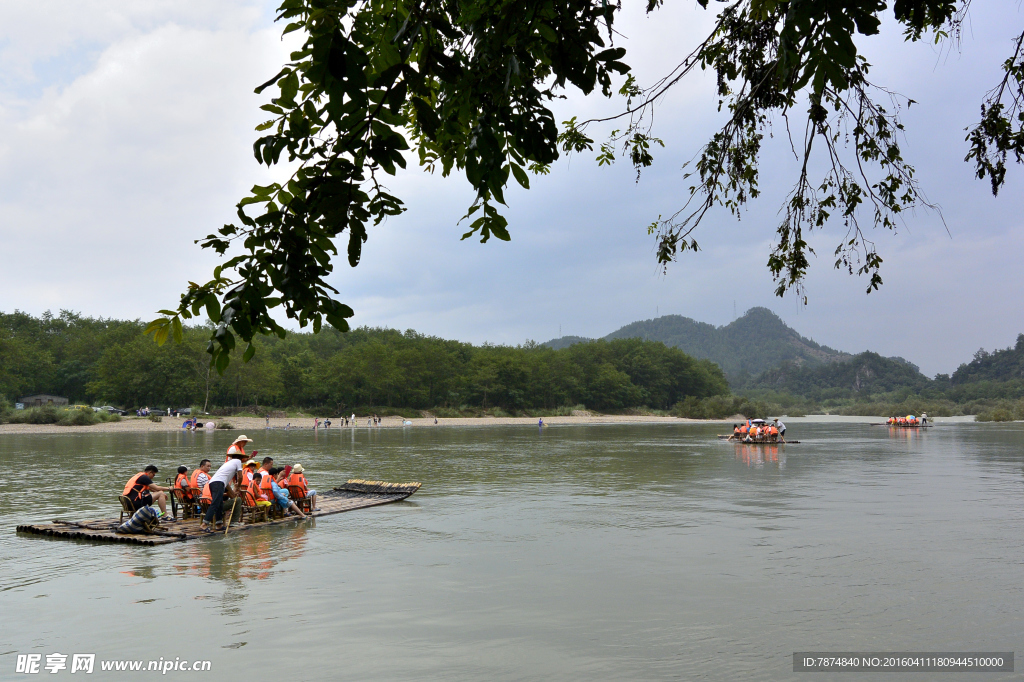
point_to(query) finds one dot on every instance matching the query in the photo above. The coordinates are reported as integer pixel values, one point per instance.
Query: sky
(127, 133)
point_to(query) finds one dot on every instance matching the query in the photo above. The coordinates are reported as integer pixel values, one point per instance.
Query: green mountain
(747, 346)
(862, 376)
(999, 365)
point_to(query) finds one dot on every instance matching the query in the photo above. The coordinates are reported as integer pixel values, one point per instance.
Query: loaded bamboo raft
(355, 494)
(723, 436)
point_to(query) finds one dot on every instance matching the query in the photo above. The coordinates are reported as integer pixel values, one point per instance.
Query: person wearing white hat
(296, 479)
(238, 447)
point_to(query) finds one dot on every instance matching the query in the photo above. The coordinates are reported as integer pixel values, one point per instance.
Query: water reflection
(760, 455)
(251, 555)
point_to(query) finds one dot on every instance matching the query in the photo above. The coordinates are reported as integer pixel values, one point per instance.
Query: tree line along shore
(100, 361)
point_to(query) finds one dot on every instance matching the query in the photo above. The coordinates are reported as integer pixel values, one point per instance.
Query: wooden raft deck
(355, 494)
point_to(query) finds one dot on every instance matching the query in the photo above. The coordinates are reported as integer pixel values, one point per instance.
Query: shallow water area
(607, 552)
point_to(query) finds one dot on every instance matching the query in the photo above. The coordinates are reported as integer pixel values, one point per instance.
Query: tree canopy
(466, 86)
(88, 359)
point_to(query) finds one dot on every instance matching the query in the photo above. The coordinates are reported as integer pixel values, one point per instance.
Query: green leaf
(179, 336)
(520, 175)
(250, 351)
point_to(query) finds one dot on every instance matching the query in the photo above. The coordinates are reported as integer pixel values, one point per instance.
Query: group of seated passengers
(238, 477)
(754, 433)
(910, 420)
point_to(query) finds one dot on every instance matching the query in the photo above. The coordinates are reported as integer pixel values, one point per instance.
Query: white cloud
(129, 131)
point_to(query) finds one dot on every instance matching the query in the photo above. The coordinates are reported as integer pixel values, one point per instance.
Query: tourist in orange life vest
(226, 478)
(140, 488)
(248, 471)
(181, 482)
(238, 447)
(201, 475)
(297, 479)
(735, 432)
(256, 493)
(268, 464)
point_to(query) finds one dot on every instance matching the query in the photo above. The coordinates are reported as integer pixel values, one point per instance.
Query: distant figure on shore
(353, 419)
(327, 423)
(268, 421)
(540, 422)
(435, 420)
(316, 423)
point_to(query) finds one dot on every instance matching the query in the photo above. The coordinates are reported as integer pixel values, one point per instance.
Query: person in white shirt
(782, 430)
(229, 472)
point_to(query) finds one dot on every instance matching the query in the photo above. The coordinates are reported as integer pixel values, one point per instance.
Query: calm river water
(633, 552)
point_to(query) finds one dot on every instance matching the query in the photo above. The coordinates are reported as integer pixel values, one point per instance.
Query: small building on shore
(42, 399)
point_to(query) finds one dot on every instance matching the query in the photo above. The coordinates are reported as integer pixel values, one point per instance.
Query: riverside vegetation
(104, 361)
(382, 370)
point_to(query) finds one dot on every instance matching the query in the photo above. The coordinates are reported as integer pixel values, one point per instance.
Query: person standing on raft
(238, 447)
(229, 473)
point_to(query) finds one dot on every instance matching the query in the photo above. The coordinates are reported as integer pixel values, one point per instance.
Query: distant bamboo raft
(355, 494)
(723, 436)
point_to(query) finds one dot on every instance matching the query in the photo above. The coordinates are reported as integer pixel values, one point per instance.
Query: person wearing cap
(298, 480)
(238, 447)
(229, 474)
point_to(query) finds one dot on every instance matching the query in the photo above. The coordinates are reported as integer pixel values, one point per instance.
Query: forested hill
(999, 365)
(862, 376)
(747, 346)
(110, 361)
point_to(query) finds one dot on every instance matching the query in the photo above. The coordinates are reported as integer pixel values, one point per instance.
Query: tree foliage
(334, 371)
(466, 86)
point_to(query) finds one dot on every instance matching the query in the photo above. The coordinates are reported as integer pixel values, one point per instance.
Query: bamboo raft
(355, 494)
(723, 436)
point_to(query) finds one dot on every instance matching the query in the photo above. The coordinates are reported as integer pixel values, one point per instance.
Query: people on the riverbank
(140, 491)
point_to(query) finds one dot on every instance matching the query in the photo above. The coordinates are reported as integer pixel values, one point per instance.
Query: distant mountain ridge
(747, 346)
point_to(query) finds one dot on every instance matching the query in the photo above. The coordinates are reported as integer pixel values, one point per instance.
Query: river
(611, 552)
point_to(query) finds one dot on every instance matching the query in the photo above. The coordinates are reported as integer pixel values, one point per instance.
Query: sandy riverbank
(250, 425)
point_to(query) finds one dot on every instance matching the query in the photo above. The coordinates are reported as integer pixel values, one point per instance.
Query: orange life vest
(246, 476)
(181, 482)
(253, 491)
(743, 429)
(194, 481)
(131, 484)
(300, 481)
(235, 449)
(266, 487)
(207, 495)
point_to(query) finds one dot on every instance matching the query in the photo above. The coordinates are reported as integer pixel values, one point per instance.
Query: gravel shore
(250, 425)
